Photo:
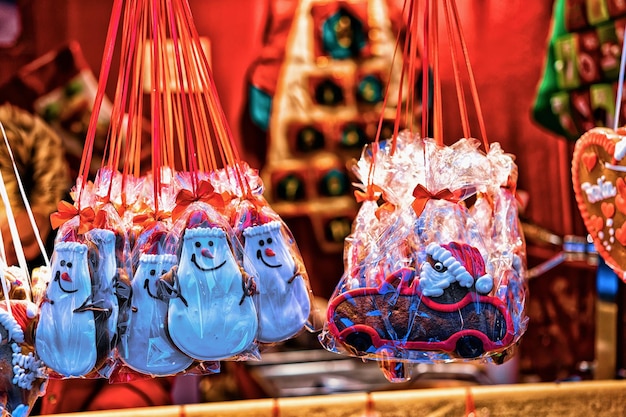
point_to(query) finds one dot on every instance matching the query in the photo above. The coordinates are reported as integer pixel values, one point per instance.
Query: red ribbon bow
(422, 195)
(204, 193)
(370, 194)
(147, 218)
(67, 211)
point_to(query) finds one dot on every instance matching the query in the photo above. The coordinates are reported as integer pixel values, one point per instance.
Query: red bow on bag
(422, 195)
(67, 211)
(147, 218)
(370, 195)
(204, 193)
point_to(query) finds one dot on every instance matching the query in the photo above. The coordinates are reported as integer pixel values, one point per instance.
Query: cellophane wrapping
(282, 293)
(435, 264)
(77, 331)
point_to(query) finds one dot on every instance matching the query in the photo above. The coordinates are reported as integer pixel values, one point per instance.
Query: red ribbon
(204, 193)
(87, 217)
(147, 218)
(422, 195)
(370, 194)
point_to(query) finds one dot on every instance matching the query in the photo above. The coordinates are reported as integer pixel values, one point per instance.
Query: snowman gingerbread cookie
(146, 346)
(212, 317)
(282, 294)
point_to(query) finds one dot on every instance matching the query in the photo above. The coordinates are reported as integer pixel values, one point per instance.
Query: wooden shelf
(584, 398)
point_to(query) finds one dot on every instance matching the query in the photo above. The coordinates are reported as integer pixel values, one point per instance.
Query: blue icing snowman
(212, 316)
(66, 335)
(146, 346)
(282, 295)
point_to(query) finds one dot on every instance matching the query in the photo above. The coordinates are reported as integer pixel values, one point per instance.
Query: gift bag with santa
(434, 269)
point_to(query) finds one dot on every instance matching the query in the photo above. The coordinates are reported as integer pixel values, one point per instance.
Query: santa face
(267, 252)
(443, 268)
(434, 278)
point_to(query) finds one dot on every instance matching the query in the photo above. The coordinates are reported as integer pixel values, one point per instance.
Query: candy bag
(145, 346)
(211, 315)
(282, 295)
(89, 260)
(435, 264)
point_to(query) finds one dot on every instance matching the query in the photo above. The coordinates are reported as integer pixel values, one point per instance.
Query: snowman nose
(269, 252)
(66, 277)
(206, 253)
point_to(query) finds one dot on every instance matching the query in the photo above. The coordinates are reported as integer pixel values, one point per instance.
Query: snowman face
(206, 248)
(151, 268)
(265, 253)
(70, 274)
(266, 248)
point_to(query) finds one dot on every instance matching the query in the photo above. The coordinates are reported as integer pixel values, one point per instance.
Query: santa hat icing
(70, 235)
(199, 219)
(199, 225)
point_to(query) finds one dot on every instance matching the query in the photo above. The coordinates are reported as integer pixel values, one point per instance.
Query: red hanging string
(403, 72)
(93, 121)
(225, 140)
(481, 121)
(437, 102)
(457, 76)
(412, 72)
(426, 72)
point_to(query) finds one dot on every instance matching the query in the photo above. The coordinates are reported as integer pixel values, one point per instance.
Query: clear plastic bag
(78, 327)
(282, 291)
(429, 279)
(211, 313)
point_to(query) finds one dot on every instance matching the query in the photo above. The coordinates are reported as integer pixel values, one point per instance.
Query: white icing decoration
(601, 191)
(601, 235)
(484, 284)
(611, 231)
(609, 222)
(26, 368)
(14, 329)
(620, 149)
(20, 411)
(612, 239)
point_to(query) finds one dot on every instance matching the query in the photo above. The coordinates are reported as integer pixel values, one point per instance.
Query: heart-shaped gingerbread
(598, 176)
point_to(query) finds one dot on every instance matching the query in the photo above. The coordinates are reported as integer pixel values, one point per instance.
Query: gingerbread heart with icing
(598, 176)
